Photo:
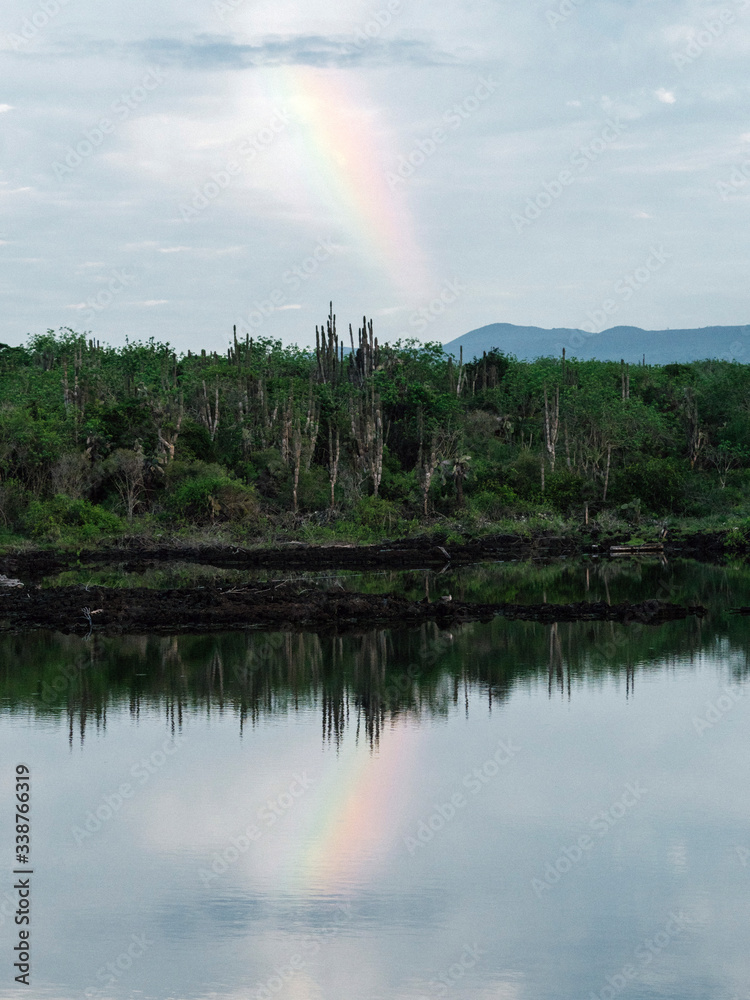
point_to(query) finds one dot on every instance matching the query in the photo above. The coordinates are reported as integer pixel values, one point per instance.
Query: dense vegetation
(264, 441)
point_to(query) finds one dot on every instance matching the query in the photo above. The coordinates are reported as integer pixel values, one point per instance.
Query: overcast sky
(171, 169)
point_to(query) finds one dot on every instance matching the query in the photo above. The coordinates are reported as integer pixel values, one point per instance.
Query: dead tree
(606, 473)
(312, 426)
(427, 462)
(367, 434)
(461, 372)
(298, 442)
(287, 422)
(333, 462)
(551, 426)
(625, 379)
(209, 420)
(296, 452)
(696, 438)
(168, 416)
(129, 476)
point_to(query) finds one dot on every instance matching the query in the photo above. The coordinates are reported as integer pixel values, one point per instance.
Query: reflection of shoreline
(361, 681)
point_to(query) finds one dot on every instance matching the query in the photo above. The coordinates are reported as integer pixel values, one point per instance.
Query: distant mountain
(620, 342)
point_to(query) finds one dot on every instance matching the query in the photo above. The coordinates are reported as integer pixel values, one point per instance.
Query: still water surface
(507, 810)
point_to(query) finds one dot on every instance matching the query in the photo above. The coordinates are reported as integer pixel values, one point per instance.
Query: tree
(128, 474)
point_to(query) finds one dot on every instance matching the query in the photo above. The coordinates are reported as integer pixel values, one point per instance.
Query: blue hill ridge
(628, 343)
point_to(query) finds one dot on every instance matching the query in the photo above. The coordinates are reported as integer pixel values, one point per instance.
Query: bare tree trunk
(606, 474)
(367, 433)
(333, 463)
(297, 458)
(208, 419)
(551, 426)
(695, 436)
(427, 471)
(286, 431)
(312, 426)
(168, 428)
(377, 465)
(129, 478)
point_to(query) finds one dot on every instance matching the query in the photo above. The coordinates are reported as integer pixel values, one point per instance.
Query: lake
(502, 810)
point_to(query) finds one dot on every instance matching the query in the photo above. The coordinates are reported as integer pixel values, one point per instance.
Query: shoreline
(31, 563)
(283, 607)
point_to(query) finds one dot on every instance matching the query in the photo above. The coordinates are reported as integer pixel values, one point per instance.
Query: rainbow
(341, 165)
(356, 818)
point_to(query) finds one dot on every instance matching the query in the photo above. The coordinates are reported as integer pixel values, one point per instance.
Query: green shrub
(402, 488)
(658, 482)
(495, 503)
(525, 476)
(14, 501)
(210, 498)
(381, 516)
(566, 492)
(195, 442)
(63, 517)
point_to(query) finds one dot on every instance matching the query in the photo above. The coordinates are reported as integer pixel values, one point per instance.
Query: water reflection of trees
(358, 681)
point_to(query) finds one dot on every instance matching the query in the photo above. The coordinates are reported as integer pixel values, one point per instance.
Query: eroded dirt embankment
(280, 606)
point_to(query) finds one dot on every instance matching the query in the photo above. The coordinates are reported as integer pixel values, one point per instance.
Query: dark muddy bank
(134, 554)
(280, 606)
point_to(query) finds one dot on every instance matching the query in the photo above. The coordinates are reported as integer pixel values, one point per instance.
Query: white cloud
(5, 107)
(665, 96)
